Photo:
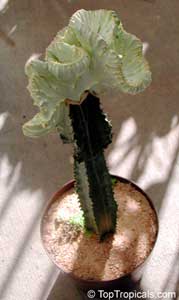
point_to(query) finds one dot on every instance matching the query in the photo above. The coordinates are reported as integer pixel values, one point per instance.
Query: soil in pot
(82, 255)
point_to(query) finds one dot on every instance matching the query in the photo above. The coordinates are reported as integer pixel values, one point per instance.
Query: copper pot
(124, 283)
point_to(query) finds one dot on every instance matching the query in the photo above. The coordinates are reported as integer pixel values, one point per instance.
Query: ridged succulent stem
(92, 134)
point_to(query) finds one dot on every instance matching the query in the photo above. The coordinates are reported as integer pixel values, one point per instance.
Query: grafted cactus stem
(92, 134)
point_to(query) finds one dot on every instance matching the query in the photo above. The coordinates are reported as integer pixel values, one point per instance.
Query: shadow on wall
(151, 118)
(4, 4)
(29, 169)
(151, 150)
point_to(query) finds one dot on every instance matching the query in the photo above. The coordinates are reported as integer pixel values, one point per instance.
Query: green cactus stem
(92, 134)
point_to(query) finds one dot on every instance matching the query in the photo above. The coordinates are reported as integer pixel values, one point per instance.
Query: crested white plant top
(93, 53)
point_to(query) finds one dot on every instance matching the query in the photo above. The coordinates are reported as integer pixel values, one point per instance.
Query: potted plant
(99, 228)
